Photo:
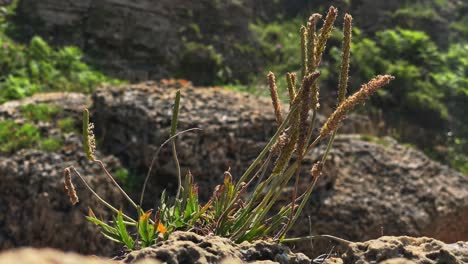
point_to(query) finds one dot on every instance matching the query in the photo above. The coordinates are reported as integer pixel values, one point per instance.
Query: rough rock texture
(186, 247)
(369, 188)
(145, 39)
(34, 208)
(48, 256)
(404, 250)
(133, 120)
(384, 188)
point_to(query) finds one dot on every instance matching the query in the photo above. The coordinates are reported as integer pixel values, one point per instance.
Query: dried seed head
(303, 51)
(316, 170)
(69, 187)
(307, 84)
(274, 98)
(357, 98)
(345, 57)
(290, 79)
(89, 141)
(311, 41)
(325, 34)
(280, 143)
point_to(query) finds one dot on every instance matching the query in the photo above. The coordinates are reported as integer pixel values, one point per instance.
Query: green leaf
(122, 229)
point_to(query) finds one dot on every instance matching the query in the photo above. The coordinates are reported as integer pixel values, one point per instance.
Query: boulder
(48, 256)
(381, 187)
(187, 247)
(403, 250)
(34, 207)
(370, 187)
(132, 121)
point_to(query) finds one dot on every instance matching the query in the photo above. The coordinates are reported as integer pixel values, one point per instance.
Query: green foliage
(14, 136)
(200, 63)
(37, 67)
(67, 125)
(40, 112)
(51, 144)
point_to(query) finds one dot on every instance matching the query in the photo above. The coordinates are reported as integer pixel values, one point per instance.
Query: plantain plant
(242, 209)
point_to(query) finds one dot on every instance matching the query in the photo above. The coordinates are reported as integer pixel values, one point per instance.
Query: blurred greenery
(37, 67)
(426, 103)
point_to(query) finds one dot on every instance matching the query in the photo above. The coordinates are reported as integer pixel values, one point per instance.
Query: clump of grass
(40, 112)
(51, 144)
(15, 136)
(67, 124)
(232, 211)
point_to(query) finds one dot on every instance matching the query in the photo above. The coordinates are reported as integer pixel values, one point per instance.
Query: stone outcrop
(403, 250)
(385, 188)
(49, 256)
(34, 207)
(141, 40)
(186, 247)
(371, 186)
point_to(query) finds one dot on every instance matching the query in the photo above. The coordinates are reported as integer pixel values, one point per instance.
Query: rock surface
(370, 186)
(34, 207)
(133, 121)
(141, 40)
(385, 188)
(48, 256)
(186, 247)
(404, 250)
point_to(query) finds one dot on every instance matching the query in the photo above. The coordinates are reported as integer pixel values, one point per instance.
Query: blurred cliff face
(199, 40)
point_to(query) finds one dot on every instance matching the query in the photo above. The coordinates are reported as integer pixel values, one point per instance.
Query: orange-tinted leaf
(161, 228)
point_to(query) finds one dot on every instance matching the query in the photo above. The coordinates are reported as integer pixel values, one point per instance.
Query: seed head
(345, 57)
(357, 98)
(69, 187)
(274, 98)
(325, 34)
(89, 141)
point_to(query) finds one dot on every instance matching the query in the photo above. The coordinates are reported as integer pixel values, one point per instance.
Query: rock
(403, 250)
(34, 207)
(186, 247)
(151, 40)
(132, 121)
(48, 256)
(385, 188)
(370, 186)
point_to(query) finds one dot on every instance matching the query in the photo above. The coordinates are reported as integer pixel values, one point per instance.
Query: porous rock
(34, 207)
(403, 250)
(187, 247)
(132, 121)
(385, 188)
(48, 256)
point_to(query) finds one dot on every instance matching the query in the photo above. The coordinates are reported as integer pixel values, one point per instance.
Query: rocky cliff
(202, 40)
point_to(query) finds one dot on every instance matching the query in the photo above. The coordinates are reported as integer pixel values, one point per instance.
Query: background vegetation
(423, 43)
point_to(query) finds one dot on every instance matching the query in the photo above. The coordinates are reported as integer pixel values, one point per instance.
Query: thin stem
(334, 238)
(153, 160)
(108, 205)
(116, 184)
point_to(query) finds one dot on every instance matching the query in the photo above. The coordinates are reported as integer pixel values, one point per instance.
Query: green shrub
(40, 112)
(51, 144)
(14, 136)
(67, 124)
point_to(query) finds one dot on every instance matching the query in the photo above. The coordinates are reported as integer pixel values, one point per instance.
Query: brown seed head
(307, 84)
(69, 187)
(316, 170)
(290, 80)
(325, 34)
(303, 51)
(345, 58)
(311, 41)
(357, 98)
(274, 98)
